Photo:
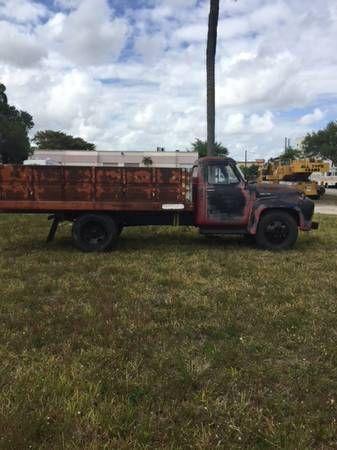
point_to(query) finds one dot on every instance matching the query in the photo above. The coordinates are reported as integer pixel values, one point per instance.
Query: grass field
(172, 341)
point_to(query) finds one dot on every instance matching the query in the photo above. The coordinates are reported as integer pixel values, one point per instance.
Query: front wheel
(277, 230)
(94, 232)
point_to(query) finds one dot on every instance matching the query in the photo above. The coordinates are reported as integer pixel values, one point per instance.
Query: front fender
(261, 209)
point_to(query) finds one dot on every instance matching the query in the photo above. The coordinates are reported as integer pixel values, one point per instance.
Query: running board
(208, 231)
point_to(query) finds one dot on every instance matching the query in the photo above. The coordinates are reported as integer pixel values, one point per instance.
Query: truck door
(225, 200)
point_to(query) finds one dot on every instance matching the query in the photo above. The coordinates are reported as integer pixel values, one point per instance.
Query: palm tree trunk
(211, 53)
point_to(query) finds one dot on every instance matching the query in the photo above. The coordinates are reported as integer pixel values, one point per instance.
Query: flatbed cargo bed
(49, 189)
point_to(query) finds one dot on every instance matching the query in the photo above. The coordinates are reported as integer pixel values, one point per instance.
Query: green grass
(172, 341)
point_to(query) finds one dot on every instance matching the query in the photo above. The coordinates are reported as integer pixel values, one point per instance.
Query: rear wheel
(94, 232)
(277, 230)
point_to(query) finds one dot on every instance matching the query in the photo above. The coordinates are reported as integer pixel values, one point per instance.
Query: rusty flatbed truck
(100, 201)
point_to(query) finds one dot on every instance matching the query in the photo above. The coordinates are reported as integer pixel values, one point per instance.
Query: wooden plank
(50, 188)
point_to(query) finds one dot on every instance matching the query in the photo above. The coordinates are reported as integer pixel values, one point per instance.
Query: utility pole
(286, 143)
(210, 68)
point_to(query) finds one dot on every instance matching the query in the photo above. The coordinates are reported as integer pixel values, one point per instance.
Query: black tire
(94, 232)
(277, 230)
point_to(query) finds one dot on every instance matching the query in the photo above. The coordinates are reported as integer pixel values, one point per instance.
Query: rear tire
(277, 230)
(94, 232)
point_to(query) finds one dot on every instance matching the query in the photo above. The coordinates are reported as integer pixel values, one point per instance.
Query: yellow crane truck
(295, 173)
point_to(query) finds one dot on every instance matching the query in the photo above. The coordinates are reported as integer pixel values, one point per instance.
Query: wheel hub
(93, 233)
(277, 232)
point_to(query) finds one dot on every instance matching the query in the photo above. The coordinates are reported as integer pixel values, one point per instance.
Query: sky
(130, 74)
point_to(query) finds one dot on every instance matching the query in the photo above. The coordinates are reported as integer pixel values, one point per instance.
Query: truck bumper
(308, 226)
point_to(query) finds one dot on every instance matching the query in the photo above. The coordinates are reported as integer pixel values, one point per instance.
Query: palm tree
(147, 161)
(210, 63)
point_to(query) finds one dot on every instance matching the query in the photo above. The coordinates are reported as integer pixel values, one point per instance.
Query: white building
(112, 158)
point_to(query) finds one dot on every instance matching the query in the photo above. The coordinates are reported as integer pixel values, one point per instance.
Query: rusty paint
(48, 189)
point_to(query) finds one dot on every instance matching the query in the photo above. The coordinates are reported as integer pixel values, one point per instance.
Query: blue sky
(130, 75)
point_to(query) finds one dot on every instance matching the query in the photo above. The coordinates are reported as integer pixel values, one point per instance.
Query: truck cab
(225, 203)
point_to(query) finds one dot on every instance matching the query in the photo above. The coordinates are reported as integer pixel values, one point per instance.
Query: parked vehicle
(327, 179)
(101, 201)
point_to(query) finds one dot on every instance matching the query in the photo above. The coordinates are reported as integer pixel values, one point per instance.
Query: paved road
(322, 208)
(326, 209)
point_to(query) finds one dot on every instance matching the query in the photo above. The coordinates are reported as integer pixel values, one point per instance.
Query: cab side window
(221, 174)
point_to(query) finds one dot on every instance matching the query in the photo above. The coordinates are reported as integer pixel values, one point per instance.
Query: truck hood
(274, 189)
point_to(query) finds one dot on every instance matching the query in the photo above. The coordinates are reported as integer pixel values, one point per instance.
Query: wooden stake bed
(73, 188)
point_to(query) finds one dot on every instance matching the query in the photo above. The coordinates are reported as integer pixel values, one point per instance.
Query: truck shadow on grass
(131, 241)
(194, 241)
(158, 240)
(184, 241)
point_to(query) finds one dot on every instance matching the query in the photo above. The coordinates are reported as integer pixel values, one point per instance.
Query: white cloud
(150, 47)
(191, 33)
(51, 30)
(259, 80)
(178, 3)
(309, 119)
(234, 123)
(92, 36)
(71, 96)
(22, 10)
(68, 4)
(262, 124)
(144, 116)
(18, 47)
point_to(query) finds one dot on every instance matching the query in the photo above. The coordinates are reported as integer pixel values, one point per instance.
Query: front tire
(94, 232)
(277, 230)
